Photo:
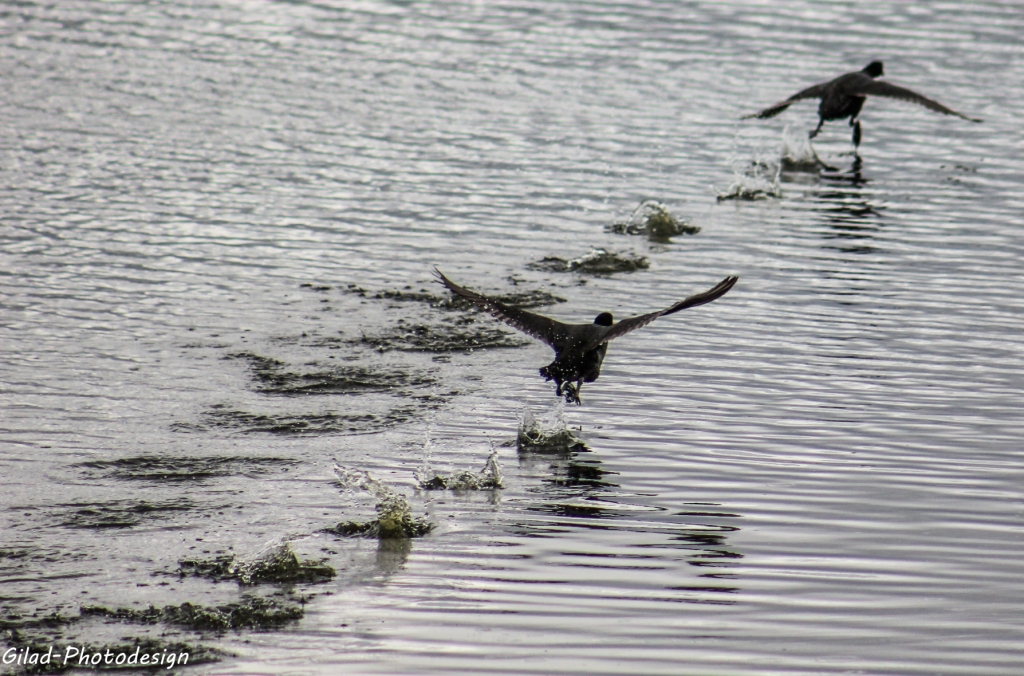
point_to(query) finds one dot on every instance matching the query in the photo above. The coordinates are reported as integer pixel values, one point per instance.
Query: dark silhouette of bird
(579, 348)
(844, 96)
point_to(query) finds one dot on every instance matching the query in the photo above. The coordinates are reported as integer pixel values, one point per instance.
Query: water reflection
(576, 494)
(567, 465)
(851, 176)
(392, 554)
(175, 172)
(711, 551)
(851, 219)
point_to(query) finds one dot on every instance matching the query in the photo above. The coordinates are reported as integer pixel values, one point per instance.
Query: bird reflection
(567, 465)
(577, 493)
(850, 217)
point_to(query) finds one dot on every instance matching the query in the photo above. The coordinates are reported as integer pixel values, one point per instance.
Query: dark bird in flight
(579, 348)
(843, 97)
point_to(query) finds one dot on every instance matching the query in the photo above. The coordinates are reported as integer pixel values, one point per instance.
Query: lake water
(217, 220)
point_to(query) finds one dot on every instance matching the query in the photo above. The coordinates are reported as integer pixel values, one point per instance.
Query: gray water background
(819, 473)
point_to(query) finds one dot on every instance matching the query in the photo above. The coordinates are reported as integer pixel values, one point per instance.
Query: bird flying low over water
(579, 348)
(843, 97)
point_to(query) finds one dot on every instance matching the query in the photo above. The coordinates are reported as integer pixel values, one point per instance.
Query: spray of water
(487, 479)
(754, 180)
(275, 562)
(798, 154)
(549, 431)
(394, 514)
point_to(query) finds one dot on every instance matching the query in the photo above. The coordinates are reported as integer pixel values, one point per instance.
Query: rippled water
(216, 215)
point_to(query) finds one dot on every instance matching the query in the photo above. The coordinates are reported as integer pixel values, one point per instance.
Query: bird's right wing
(634, 323)
(889, 90)
(542, 328)
(814, 92)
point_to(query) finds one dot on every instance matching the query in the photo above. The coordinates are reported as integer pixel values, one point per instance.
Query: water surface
(217, 217)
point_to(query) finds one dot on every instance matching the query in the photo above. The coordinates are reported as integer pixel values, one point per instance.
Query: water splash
(756, 179)
(251, 613)
(277, 562)
(655, 221)
(595, 262)
(799, 155)
(394, 514)
(600, 261)
(487, 479)
(550, 432)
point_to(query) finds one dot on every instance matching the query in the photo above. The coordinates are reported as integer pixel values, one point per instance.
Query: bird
(579, 348)
(844, 96)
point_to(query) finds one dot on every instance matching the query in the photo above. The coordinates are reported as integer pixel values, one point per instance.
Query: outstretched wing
(814, 92)
(542, 328)
(634, 323)
(889, 90)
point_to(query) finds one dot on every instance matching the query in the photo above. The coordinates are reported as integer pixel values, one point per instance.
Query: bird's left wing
(889, 90)
(542, 328)
(812, 92)
(634, 323)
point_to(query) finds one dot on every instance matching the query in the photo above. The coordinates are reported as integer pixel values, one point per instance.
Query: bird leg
(856, 132)
(814, 133)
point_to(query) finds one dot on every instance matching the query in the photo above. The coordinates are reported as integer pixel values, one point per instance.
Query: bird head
(604, 319)
(874, 69)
